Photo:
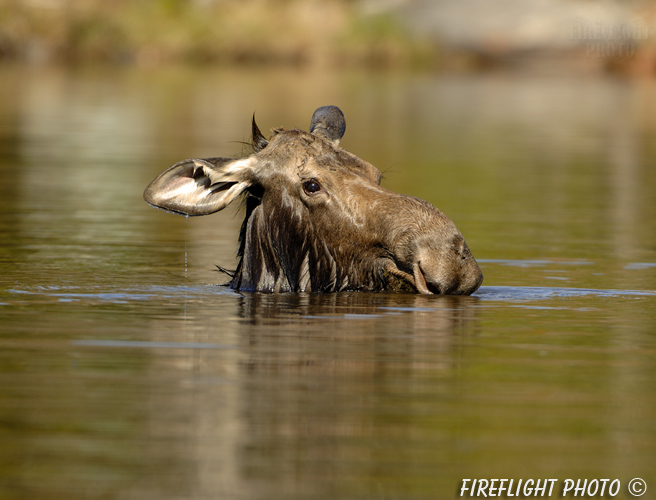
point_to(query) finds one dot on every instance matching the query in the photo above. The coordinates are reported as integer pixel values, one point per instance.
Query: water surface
(126, 371)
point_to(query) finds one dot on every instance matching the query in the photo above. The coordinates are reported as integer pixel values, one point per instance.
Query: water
(126, 372)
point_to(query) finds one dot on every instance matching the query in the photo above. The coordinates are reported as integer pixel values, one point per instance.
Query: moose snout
(450, 271)
(463, 281)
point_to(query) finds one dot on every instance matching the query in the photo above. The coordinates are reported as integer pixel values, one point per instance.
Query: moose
(317, 220)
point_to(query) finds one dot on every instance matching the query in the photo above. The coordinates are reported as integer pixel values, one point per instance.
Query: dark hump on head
(329, 122)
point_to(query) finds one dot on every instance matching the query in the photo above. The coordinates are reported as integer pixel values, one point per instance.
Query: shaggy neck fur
(281, 251)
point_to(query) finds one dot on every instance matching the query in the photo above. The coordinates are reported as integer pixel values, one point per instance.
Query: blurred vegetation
(293, 32)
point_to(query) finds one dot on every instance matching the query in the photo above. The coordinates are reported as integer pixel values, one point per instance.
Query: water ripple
(150, 344)
(541, 293)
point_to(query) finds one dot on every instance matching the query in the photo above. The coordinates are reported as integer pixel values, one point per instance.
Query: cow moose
(317, 220)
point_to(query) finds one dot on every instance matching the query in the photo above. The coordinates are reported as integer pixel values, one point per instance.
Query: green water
(126, 373)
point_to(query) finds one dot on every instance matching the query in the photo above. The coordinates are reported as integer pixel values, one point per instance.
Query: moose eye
(311, 187)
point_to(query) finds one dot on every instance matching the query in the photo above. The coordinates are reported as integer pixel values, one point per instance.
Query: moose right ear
(199, 187)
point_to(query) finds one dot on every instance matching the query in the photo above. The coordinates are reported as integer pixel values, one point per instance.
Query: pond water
(126, 372)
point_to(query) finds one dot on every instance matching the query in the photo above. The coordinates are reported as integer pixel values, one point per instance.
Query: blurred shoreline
(470, 35)
(258, 32)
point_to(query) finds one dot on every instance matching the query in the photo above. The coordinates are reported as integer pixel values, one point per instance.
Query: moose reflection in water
(317, 219)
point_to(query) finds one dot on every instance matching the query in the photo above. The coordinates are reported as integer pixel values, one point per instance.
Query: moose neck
(282, 250)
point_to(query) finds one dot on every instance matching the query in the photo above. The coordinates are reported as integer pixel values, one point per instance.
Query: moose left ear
(329, 122)
(199, 187)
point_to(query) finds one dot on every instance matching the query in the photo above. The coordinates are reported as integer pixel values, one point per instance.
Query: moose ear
(329, 122)
(199, 187)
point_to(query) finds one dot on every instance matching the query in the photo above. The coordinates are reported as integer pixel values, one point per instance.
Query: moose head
(317, 220)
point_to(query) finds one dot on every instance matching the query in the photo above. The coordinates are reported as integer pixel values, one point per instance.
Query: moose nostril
(424, 283)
